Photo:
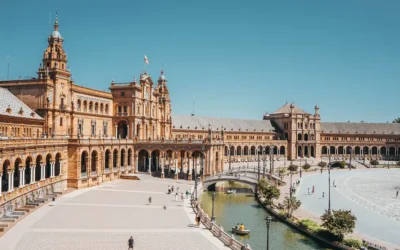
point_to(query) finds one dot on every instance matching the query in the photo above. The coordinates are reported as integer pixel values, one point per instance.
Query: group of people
(240, 226)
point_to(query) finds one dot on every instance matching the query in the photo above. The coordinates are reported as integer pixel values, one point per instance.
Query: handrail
(217, 231)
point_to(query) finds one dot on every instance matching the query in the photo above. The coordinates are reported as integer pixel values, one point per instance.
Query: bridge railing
(228, 239)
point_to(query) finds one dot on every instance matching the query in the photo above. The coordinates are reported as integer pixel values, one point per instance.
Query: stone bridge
(250, 180)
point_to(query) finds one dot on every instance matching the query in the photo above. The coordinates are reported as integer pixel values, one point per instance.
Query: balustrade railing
(115, 170)
(84, 175)
(93, 173)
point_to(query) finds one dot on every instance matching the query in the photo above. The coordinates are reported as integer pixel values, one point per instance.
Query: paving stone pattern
(104, 217)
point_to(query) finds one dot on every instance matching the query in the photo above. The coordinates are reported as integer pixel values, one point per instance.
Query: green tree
(270, 193)
(293, 168)
(342, 164)
(322, 164)
(282, 171)
(339, 222)
(262, 185)
(397, 120)
(291, 204)
(306, 166)
(374, 162)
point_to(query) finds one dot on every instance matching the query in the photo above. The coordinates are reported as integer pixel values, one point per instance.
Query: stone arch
(357, 150)
(107, 160)
(299, 151)
(138, 130)
(226, 151)
(122, 158)
(47, 171)
(299, 137)
(115, 158)
(392, 151)
(253, 150)
(349, 150)
(275, 150)
(122, 129)
(239, 150)
(332, 150)
(38, 168)
(374, 150)
(232, 150)
(106, 109)
(246, 150)
(340, 150)
(90, 106)
(365, 150)
(130, 153)
(306, 151)
(312, 151)
(282, 150)
(143, 160)
(57, 167)
(79, 104)
(84, 105)
(84, 163)
(28, 163)
(306, 137)
(101, 108)
(93, 162)
(383, 151)
(17, 173)
(96, 107)
(155, 160)
(4, 176)
(324, 150)
(217, 162)
(286, 136)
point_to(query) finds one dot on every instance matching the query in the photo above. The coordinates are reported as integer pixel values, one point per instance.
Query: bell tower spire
(54, 57)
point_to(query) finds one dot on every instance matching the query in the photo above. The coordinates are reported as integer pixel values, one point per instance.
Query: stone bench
(23, 209)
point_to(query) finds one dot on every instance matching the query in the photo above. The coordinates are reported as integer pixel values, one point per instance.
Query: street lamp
(229, 151)
(271, 150)
(269, 219)
(350, 158)
(264, 167)
(212, 215)
(329, 181)
(202, 160)
(259, 153)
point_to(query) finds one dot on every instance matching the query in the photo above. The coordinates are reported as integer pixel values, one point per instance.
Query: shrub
(398, 163)
(353, 243)
(322, 164)
(309, 225)
(374, 162)
(306, 166)
(293, 168)
(339, 222)
(342, 164)
(328, 235)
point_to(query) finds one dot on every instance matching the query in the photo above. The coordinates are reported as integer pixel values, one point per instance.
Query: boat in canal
(231, 191)
(240, 232)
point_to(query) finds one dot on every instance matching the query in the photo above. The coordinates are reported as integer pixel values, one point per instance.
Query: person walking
(172, 188)
(313, 189)
(308, 191)
(198, 219)
(323, 194)
(334, 183)
(150, 200)
(53, 201)
(130, 243)
(397, 194)
(176, 196)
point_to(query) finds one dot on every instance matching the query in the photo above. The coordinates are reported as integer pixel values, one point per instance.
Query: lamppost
(195, 186)
(212, 215)
(271, 150)
(350, 158)
(264, 167)
(229, 151)
(329, 181)
(259, 153)
(202, 160)
(269, 219)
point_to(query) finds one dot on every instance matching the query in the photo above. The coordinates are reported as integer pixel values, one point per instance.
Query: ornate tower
(165, 109)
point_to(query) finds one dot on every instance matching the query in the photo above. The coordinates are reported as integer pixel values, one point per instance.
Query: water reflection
(231, 209)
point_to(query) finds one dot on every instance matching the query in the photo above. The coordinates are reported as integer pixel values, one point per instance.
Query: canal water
(230, 209)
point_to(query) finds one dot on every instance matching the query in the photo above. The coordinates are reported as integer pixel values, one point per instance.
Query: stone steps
(129, 177)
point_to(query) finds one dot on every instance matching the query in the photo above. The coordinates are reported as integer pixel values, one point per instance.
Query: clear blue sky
(239, 58)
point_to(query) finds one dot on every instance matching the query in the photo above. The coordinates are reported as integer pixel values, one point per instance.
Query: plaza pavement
(368, 193)
(104, 217)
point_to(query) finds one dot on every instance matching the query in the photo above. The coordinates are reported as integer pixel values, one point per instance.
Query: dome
(56, 34)
(162, 77)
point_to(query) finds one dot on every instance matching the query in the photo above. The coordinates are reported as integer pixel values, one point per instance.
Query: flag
(146, 60)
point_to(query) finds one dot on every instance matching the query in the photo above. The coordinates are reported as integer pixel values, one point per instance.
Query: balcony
(63, 107)
(122, 113)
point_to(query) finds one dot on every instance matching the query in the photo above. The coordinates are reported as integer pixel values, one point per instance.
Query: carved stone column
(137, 163)
(10, 180)
(162, 165)
(190, 168)
(150, 164)
(1, 184)
(32, 173)
(43, 171)
(176, 168)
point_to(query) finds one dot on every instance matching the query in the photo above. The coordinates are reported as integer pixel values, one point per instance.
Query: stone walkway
(104, 217)
(369, 193)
